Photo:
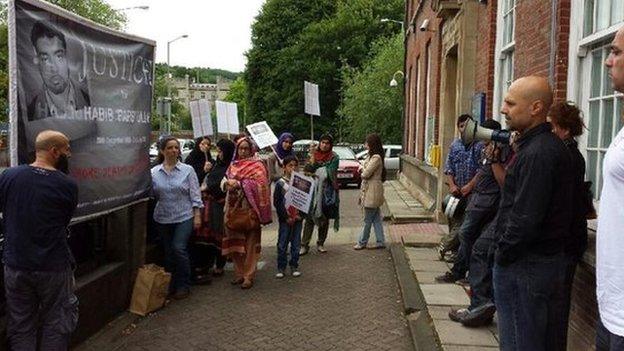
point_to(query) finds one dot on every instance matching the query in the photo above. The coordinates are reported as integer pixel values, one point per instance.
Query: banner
(262, 134)
(200, 117)
(311, 92)
(300, 192)
(94, 85)
(227, 117)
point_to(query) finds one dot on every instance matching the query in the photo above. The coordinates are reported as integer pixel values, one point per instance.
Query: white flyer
(312, 106)
(262, 134)
(227, 117)
(200, 117)
(300, 192)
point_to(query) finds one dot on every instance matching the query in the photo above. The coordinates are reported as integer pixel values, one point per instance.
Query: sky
(219, 31)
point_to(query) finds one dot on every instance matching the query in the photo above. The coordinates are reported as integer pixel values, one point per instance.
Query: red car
(349, 167)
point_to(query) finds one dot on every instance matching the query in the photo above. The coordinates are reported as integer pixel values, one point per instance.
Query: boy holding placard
(290, 221)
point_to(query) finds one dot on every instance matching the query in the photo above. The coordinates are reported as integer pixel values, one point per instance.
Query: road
(345, 300)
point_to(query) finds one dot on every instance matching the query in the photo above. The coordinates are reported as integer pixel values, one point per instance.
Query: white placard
(300, 192)
(262, 134)
(227, 117)
(200, 116)
(311, 92)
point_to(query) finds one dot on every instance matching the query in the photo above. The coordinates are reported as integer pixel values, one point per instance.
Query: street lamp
(133, 8)
(169, 80)
(393, 82)
(384, 20)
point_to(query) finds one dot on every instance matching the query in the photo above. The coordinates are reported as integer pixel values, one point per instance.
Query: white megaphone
(473, 132)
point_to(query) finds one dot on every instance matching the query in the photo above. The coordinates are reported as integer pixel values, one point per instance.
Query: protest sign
(94, 85)
(200, 117)
(312, 106)
(300, 192)
(227, 118)
(262, 134)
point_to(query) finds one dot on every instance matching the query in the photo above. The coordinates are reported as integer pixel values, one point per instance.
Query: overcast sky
(219, 30)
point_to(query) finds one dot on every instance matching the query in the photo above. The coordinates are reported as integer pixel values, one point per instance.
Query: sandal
(237, 281)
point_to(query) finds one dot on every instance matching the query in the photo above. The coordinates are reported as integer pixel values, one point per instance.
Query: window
(602, 14)
(429, 120)
(395, 152)
(414, 140)
(602, 115)
(505, 46)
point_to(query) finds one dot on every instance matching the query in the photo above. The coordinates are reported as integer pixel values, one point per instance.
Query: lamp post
(133, 8)
(169, 80)
(384, 20)
(393, 82)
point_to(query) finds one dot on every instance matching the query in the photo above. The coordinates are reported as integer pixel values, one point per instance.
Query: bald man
(609, 238)
(533, 225)
(37, 202)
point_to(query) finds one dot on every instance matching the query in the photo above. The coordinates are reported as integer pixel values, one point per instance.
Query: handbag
(241, 218)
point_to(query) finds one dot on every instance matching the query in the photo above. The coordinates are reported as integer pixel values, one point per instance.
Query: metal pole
(311, 127)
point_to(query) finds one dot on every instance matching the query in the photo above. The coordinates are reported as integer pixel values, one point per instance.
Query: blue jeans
(40, 304)
(474, 223)
(175, 237)
(372, 217)
(530, 298)
(607, 341)
(288, 234)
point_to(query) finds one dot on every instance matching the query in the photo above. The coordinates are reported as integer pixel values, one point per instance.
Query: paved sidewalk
(401, 206)
(441, 298)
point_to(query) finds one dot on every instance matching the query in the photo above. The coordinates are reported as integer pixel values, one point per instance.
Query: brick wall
(486, 48)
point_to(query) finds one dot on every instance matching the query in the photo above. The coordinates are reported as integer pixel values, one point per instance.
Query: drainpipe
(553, 42)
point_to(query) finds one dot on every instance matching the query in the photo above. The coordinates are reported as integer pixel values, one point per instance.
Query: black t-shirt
(37, 205)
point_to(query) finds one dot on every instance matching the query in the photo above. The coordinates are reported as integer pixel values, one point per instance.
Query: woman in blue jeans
(372, 193)
(177, 213)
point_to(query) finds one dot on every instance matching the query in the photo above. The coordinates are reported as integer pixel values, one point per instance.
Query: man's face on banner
(52, 63)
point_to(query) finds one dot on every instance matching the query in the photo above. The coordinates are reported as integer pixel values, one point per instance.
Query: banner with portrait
(94, 85)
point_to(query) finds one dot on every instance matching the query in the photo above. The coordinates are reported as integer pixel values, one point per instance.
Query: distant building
(188, 90)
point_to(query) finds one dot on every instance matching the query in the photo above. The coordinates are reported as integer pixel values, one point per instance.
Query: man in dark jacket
(533, 224)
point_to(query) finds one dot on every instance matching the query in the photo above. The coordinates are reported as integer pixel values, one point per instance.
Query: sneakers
(296, 273)
(303, 250)
(447, 277)
(359, 246)
(279, 275)
(321, 249)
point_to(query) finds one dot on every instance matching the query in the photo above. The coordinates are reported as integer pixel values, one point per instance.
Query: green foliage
(369, 104)
(199, 74)
(313, 40)
(237, 94)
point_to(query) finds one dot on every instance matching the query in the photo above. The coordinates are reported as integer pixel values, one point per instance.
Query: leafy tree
(237, 94)
(369, 104)
(314, 45)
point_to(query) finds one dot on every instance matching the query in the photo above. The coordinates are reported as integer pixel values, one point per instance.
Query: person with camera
(609, 238)
(460, 168)
(533, 224)
(480, 210)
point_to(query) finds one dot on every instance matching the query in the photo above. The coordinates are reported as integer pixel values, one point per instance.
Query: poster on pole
(94, 85)
(227, 117)
(312, 106)
(300, 192)
(200, 118)
(262, 134)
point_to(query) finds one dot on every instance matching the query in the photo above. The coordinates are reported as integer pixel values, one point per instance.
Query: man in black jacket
(533, 224)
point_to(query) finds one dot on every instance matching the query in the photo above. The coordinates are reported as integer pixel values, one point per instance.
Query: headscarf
(216, 174)
(279, 150)
(254, 179)
(324, 156)
(197, 159)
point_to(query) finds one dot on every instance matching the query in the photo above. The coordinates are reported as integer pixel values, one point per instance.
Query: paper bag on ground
(150, 289)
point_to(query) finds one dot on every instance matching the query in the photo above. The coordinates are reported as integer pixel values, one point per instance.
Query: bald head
(534, 89)
(527, 103)
(48, 139)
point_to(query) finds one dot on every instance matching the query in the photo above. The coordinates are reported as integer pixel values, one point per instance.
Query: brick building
(464, 62)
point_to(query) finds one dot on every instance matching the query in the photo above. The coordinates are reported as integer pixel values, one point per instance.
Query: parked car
(302, 149)
(391, 157)
(186, 146)
(348, 168)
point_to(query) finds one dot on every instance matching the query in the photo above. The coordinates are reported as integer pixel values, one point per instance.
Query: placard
(300, 192)
(312, 106)
(200, 117)
(227, 117)
(262, 134)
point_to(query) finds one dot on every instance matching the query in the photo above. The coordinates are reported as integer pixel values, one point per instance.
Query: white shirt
(610, 240)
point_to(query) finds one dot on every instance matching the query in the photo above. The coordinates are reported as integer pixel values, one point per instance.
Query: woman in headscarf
(283, 148)
(248, 193)
(210, 235)
(324, 163)
(200, 158)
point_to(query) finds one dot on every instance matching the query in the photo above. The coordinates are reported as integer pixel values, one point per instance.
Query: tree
(369, 103)
(237, 94)
(313, 44)
(96, 10)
